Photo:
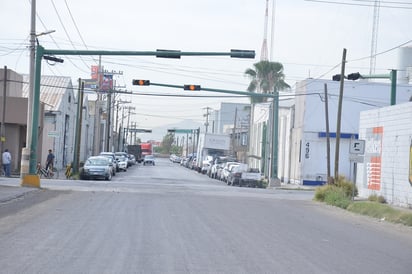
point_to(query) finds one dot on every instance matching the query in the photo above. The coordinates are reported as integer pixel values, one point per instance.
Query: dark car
(97, 167)
(149, 160)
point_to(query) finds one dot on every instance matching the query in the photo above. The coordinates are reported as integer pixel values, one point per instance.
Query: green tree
(265, 77)
(167, 142)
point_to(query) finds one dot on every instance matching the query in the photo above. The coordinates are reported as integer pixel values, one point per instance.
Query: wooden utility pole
(328, 179)
(3, 118)
(234, 135)
(339, 117)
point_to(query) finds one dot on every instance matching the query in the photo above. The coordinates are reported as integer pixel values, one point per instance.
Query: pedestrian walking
(50, 160)
(6, 160)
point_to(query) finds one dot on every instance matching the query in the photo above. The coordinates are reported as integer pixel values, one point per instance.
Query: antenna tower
(264, 51)
(374, 41)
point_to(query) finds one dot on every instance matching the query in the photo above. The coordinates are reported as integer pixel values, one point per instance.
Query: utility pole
(234, 134)
(78, 133)
(3, 118)
(207, 118)
(327, 134)
(339, 117)
(97, 112)
(108, 121)
(31, 72)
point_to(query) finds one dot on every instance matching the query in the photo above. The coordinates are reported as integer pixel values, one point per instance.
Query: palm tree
(265, 78)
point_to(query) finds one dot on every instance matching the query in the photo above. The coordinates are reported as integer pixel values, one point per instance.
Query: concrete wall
(387, 167)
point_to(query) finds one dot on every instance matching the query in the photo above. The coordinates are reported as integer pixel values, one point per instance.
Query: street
(169, 219)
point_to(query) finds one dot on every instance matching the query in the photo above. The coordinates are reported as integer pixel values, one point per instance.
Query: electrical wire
(77, 28)
(65, 30)
(363, 5)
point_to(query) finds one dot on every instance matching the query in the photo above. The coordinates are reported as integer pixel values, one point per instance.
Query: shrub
(376, 198)
(320, 192)
(348, 187)
(338, 194)
(338, 198)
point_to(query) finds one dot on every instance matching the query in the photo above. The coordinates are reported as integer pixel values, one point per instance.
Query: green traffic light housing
(141, 82)
(191, 87)
(354, 76)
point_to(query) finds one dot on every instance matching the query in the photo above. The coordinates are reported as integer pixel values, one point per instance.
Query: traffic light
(336, 77)
(141, 82)
(191, 87)
(354, 76)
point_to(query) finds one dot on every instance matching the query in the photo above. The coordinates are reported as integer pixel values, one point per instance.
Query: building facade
(386, 166)
(309, 143)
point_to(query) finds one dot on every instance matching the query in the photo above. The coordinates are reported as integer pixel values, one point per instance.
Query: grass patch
(381, 211)
(340, 195)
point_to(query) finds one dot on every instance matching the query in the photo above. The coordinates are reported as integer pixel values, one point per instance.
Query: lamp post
(33, 38)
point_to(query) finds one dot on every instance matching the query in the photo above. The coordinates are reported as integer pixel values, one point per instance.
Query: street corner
(11, 192)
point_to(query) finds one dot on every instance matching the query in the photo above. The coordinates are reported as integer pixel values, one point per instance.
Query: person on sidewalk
(6, 160)
(50, 160)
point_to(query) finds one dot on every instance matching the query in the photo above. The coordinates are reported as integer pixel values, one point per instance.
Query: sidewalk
(11, 189)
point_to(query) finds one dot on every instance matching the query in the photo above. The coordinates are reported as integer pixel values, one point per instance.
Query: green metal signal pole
(32, 179)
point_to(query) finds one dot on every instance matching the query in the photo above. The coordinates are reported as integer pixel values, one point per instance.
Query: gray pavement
(10, 189)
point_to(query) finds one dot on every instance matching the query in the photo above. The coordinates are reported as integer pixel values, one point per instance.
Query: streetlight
(30, 98)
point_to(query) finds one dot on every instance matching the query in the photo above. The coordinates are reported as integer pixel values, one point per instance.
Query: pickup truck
(241, 175)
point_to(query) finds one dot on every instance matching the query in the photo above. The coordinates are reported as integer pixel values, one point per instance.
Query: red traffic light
(141, 82)
(191, 87)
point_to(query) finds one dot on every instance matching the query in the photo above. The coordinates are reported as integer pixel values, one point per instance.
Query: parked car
(111, 154)
(192, 163)
(131, 159)
(217, 165)
(235, 174)
(122, 161)
(149, 160)
(97, 167)
(121, 153)
(226, 170)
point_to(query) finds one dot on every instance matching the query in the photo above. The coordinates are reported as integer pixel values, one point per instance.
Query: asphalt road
(168, 219)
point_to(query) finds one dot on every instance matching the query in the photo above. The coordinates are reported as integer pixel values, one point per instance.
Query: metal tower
(264, 50)
(374, 40)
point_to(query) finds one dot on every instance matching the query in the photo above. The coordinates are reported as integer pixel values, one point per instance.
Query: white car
(122, 161)
(149, 160)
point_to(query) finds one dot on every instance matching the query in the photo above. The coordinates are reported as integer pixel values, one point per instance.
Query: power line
(364, 5)
(77, 29)
(65, 30)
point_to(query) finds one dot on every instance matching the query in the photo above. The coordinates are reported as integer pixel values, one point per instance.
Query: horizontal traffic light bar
(353, 76)
(182, 130)
(191, 87)
(141, 82)
(198, 87)
(138, 130)
(234, 53)
(52, 58)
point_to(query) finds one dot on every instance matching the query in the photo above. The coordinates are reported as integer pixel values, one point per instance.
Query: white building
(60, 118)
(261, 137)
(308, 140)
(387, 166)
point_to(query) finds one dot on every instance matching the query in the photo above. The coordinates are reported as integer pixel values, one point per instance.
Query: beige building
(13, 116)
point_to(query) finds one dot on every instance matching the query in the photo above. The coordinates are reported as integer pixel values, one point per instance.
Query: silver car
(97, 167)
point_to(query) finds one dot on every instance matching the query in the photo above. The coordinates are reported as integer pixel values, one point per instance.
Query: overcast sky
(309, 38)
